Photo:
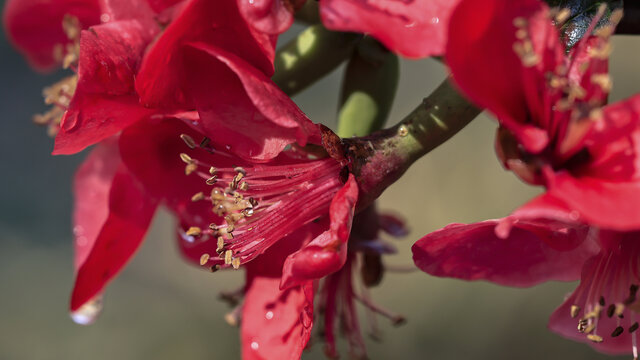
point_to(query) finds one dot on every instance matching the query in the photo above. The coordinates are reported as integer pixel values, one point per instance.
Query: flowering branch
(381, 159)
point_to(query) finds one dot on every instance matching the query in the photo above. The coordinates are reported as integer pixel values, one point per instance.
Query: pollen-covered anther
(601, 52)
(212, 180)
(575, 310)
(188, 140)
(220, 248)
(602, 80)
(524, 50)
(595, 338)
(617, 331)
(204, 259)
(198, 196)
(194, 231)
(562, 15)
(235, 262)
(59, 96)
(186, 158)
(228, 257)
(582, 325)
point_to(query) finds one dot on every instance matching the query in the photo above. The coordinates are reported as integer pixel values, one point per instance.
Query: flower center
(605, 303)
(257, 204)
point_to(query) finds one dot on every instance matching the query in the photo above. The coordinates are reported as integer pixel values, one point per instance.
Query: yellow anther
(197, 197)
(240, 170)
(596, 114)
(190, 169)
(204, 259)
(575, 310)
(243, 186)
(562, 16)
(212, 180)
(403, 130)
(602, 80)
(186, 158)
(595, 338)
(212, 170)
(188, 140)
(217, 194)
(220, 247)
(228, 257)
(235, 262)
(520, 22)
(194, 231)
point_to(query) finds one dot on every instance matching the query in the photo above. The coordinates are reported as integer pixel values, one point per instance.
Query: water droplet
(574, 215)
(89, 312)
(269, 315)
(252, 2)
(81, 240)
(78, 230)
(410, 25)
(255, 345)
(435, 20)
(105, 18)
(228, 147)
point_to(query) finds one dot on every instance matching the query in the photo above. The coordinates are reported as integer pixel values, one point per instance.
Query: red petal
(530, 251)
(161, 82)
(130, 212)
(245, 109)
(93, 118)
(91, 189)
(35, 26)
(110, 55)
(327, 253)
(159, 5)
(410, 28)
(608, 204)
(105, 102)
(485, 66)
(268, 16)
(275, 324)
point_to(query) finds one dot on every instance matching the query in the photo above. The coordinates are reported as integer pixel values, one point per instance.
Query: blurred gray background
(161, 308)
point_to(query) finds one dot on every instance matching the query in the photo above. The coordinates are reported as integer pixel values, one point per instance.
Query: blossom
(555, 131)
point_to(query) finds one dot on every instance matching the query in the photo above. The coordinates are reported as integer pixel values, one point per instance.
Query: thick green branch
(309, 57)
(381, 159)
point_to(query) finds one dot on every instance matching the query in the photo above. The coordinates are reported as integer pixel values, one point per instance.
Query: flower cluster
(177, 101)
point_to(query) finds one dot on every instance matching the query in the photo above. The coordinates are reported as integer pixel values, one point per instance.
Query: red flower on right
(556, 131)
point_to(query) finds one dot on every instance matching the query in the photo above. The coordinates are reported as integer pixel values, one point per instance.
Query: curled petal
(245, 107)
(530, 251)
(327, 252)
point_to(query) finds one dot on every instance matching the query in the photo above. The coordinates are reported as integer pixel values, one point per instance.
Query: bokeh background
(161, 308)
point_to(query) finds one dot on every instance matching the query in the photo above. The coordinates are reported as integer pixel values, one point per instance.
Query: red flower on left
(181, 114)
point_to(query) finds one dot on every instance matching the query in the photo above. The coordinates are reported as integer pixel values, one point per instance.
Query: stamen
(595, 338)
(194, 231)
(197, 197)
(575, 310)
(204, 259)
(188, 140)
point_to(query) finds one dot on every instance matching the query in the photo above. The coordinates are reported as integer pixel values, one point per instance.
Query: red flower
(556, 132)
(236, 211)
(35, 27)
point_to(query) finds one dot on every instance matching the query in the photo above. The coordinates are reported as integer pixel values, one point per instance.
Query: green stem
(368, 90)
(309, 57)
